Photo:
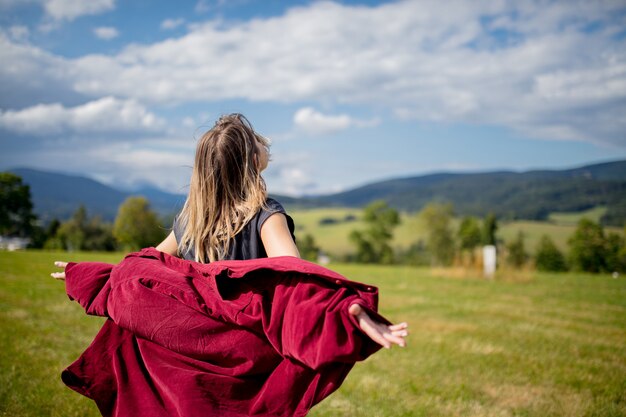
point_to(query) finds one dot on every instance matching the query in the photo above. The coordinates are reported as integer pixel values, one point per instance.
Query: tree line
(590, 248)
(136, 224)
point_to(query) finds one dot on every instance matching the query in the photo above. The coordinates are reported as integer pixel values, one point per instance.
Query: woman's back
(247, 244)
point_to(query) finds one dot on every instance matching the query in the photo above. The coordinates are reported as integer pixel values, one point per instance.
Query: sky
(349, 92)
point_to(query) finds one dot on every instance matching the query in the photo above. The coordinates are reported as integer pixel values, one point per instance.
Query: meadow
(522, 344)
(333, 236)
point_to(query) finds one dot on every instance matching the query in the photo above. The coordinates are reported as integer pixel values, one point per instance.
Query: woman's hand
(379, 332)
(59, 275)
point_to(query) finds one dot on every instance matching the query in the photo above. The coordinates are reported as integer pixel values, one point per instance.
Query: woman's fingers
(355, 309)
(58, 275)
(398, 326)
(398, 339)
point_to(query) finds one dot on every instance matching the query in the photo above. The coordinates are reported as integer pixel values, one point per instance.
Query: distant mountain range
(57, 195)
(510, 195)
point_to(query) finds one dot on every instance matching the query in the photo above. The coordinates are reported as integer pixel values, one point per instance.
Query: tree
(136, 225)
(588, 247)
(490, 227)
(72, 232)
(308, 248)
(615, 255)
(16, 217)
(81, 233)
(517, 256)
(437, 218)
(99, 235)
(373, 243)
(469, 235)
(416, 254)
(548, 257)
(41, 235)
(53, 241)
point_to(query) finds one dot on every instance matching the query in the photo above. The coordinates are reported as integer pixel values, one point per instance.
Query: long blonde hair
(226, 189)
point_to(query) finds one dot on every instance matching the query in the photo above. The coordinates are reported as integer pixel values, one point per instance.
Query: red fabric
(266, 337)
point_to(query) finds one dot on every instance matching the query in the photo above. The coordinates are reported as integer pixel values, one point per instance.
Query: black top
(246, 244)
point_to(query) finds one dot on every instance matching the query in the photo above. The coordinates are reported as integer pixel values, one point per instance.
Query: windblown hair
(226, 189)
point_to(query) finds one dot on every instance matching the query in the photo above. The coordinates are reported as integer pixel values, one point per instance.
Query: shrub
(548, 257)
(517, 252)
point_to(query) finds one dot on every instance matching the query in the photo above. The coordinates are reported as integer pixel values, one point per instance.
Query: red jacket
(267, 337)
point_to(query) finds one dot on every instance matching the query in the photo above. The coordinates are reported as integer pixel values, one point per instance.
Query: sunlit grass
(519, 345)
(334, 238)
(41, 332)
(571, 218)
(544, 345)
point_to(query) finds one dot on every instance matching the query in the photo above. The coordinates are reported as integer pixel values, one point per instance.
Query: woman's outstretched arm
(277, 241)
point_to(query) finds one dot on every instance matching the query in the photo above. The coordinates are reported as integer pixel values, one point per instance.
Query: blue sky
(349, 92)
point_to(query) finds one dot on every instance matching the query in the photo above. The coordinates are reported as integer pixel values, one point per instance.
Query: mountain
(57, 195)
(510, 195)
(528, 195)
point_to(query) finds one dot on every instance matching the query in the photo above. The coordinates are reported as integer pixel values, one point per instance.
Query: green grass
(533, 230)
(520, 345)
(41, 333)
(572, 218)
(333, 239)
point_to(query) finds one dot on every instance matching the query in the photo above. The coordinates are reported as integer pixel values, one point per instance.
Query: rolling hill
(529, 195)
(57, 195)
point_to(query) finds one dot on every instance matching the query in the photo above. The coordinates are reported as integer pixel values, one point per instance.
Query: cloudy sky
(349, 92)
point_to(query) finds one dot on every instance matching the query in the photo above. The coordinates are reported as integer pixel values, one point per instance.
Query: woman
(227, 214)
(186, 339)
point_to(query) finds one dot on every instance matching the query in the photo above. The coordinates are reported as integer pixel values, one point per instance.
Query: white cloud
(120, 164)
(8, 4)
(188, 122)
(526, 65)
(19, 33)
(150, 160)
(106, 32)
(295, 182)
(105, 115)
(204, 6)
(313, 122)
(71, 9)
(172, 23)
(30, 75)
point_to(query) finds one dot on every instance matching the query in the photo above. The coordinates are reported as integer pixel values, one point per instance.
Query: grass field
(519, 345)
(333, 238)
(565, 218)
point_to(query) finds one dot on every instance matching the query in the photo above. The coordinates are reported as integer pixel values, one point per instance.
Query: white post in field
(489, 260)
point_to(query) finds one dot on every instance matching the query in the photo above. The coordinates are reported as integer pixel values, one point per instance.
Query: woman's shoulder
(273, 206)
